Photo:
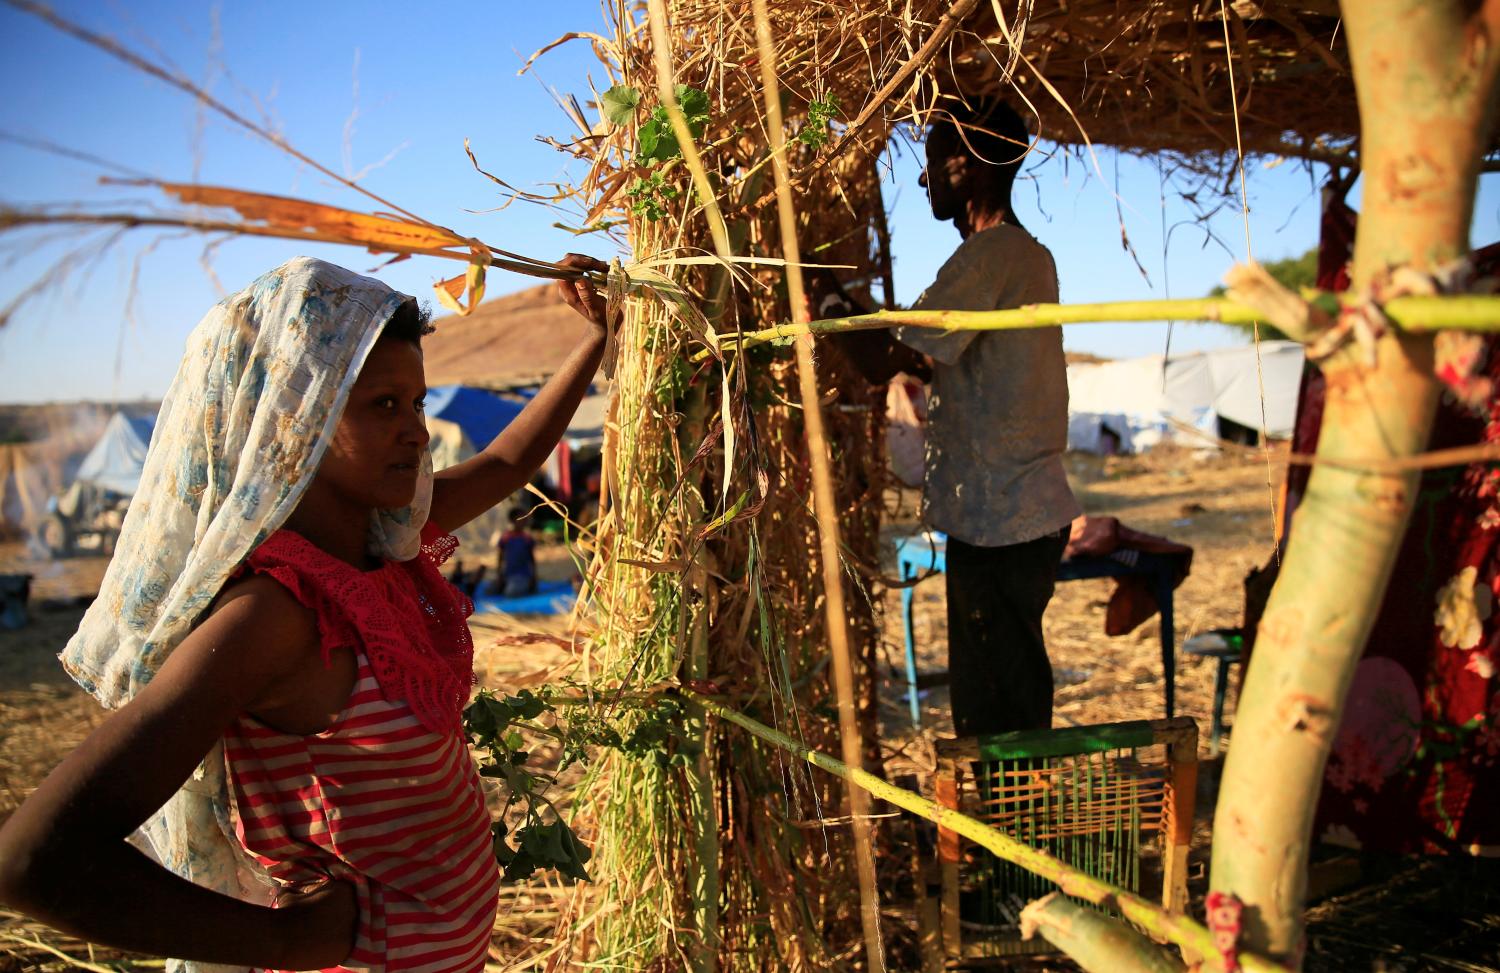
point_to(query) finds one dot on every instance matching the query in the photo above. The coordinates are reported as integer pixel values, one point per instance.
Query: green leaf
(499, 712)
(479, 721)
(692, 100)
(694, 105)
(580, 851)
(649, 138)
(618, 104)
(525, 705)
(556, 849)
(657, 142)
(520, 867)
(504, 853)
(820, 113)
(722, 521)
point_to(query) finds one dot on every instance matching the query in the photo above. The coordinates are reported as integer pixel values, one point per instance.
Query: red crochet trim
(409, 619)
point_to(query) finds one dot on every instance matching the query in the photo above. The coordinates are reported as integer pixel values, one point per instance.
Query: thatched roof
(1147, 75)
(1155, 75)
(516, 340)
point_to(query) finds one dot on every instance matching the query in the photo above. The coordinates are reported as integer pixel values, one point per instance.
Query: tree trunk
(1425, 76)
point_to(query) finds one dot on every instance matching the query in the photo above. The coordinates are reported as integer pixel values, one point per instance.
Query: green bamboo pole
(1463, 312)
(666, 85)
(1425, 76)
(1093, 940)
(1156, 921)
(825, 509)
(702, 805)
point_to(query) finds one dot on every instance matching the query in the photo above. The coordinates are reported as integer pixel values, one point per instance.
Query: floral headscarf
(240, 435)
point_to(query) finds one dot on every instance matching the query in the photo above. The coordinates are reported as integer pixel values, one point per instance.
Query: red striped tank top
(386, 797)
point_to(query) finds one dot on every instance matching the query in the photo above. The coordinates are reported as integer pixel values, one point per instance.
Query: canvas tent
(88, 513)
(1132, 405)
(115, 463)
(30, 473)
(461, 421)
(509, 345)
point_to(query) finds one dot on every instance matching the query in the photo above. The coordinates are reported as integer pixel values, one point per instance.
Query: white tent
(1144, 401)
(116, 461)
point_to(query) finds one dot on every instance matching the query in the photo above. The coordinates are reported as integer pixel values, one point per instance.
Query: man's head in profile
(974, 151)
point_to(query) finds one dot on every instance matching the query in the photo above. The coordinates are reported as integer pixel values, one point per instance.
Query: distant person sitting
(586, 501)
(517, 559)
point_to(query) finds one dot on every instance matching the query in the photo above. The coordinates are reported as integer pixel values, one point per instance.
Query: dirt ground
(1218, 504)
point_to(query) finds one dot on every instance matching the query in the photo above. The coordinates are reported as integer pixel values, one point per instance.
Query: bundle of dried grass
(713, 851)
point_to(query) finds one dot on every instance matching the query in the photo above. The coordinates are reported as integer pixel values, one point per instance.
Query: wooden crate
(1095, 797)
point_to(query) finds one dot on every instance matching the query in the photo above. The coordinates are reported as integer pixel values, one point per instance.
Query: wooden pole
(883, 239)
(824, 507)
(1425, 77)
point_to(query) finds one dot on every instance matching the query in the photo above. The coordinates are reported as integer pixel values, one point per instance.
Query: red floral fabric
(1415, 765)
(409, 619)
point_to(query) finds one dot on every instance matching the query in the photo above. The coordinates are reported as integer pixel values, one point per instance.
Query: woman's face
(376, 452)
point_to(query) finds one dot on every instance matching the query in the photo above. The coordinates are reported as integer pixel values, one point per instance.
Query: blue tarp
(551, 598)
(115, 462)
(480, 414)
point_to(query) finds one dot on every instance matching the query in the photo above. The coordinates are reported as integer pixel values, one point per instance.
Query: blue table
(926, 553)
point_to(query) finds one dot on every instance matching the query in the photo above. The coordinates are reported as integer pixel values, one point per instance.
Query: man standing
(997, 423)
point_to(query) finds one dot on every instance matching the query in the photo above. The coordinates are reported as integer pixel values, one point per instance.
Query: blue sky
(407, 83)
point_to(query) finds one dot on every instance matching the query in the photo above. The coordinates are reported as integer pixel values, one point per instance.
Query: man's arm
(877, 355)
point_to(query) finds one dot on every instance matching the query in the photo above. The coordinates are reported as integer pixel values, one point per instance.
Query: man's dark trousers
(999, 676)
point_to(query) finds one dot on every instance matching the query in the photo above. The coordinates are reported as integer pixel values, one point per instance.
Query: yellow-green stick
(1461, 312)
(1177, 929)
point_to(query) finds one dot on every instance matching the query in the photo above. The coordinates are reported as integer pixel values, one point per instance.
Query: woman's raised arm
(463, 492)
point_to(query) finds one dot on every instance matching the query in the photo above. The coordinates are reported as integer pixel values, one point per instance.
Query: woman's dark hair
(410, 322)
(990, 131)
